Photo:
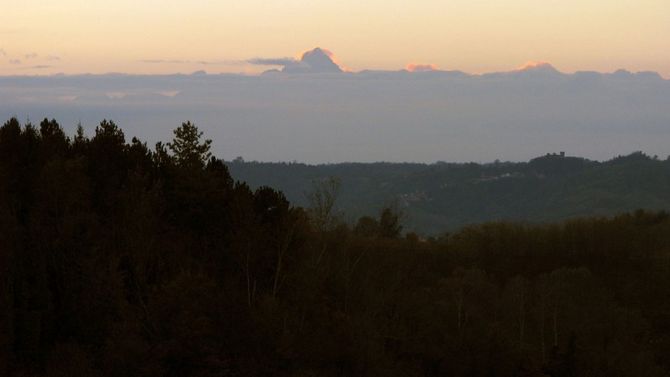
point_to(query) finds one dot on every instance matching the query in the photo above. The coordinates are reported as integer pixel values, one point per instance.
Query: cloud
(201, 62)
(536, 65)
(318, 60)
(272, 61)
(14, 61)
(3, 52)
(220, 62)
(412, 67)
(359, 117)
(40, 66)
(164, 61)
(53, 58)
(31, 55)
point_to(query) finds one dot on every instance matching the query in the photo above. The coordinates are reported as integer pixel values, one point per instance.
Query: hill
(446, 196)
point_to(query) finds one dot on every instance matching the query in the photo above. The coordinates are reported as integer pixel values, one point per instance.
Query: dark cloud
(317, 60)
(272, 61)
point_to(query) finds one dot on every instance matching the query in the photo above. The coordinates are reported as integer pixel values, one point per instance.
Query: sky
(325, 116)
(475, 36)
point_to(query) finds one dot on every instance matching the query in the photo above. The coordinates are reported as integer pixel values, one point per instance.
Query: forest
(119, 259)
(443, 196)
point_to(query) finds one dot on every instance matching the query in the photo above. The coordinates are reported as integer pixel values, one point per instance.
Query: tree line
(117, 259)
(447, 196)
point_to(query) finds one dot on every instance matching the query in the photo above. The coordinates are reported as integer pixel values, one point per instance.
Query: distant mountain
(445, 196)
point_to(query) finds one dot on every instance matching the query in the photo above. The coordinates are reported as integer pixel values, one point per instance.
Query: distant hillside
(446, 196)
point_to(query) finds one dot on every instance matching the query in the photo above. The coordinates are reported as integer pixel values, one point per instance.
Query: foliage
(187, 148)
(445, 196)
(118, 260)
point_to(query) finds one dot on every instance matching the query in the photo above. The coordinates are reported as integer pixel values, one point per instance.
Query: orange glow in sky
(412, 67)
(168, 36)
(533, 64)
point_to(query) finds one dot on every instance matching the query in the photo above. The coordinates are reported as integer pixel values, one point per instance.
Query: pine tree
(187, 148)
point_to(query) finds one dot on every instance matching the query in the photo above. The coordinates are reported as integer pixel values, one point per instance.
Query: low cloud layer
(370, 115)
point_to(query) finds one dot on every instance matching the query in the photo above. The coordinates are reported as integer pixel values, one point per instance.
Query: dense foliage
(119, 260)
(441, 196)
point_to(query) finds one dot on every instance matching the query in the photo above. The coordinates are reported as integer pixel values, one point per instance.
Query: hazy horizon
(269, 65)
(311, 110)
(151, 37)
(345, 81)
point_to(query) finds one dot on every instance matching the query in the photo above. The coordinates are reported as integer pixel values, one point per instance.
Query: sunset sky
(168, 36)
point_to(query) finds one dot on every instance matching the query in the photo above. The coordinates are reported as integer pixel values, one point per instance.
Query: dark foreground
(120, 260)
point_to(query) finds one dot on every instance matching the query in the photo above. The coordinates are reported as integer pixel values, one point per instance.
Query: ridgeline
(443, 197)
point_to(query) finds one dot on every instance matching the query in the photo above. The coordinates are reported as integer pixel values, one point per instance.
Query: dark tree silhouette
(187, 148)
(120, 260)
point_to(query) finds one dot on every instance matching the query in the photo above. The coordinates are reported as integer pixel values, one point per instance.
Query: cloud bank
(403, 115)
